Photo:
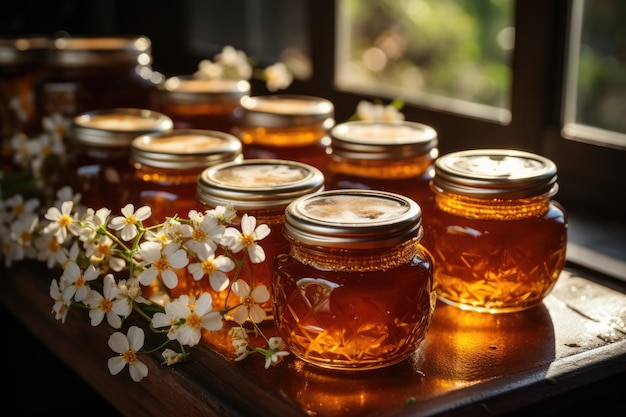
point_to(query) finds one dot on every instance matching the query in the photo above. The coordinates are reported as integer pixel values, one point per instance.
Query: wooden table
(470, 363)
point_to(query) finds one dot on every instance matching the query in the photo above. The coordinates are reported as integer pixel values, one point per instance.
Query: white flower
(205, 232)
(92, 222)
(127, 224)
(250, 300)
(368, 111)
(78, 281)
(127, 347)
(61, 221)
(247, 238)
(61, 304)
(163, 262)
(235, 63)
(186, 317)
(18, 207)
(110, 305)
(239, 340)
(214, 267)
(101, 250)
(50, 250)
(66, 194)
(131, 291)
(171, 357)
(56, 124)
(275, 357)
(278, 77)
(223, 214)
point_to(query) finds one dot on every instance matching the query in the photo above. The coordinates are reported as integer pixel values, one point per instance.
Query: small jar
(92, 73)
(290, 127)
(354, 291)
(261, 188)
(395, 156)
(99, 162)
(167, 166)
(497, 236)
(21, 67)
(194, 103)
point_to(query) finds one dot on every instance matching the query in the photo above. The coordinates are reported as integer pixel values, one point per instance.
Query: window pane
(454, 55)
(596, 91)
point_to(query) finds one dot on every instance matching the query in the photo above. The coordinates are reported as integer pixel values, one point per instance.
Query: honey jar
(21, 67)
(167, 166)
(99, 161)
(355, 289)
(497, 236)
(395, 156)
(90, 73)
(261, 188)
(290, 127)
(194, 103)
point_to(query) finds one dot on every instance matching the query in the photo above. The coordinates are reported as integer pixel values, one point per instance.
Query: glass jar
(355, 289)
(201, 104)
(99, 162)
(395, 156)
(261, 188)
(85, 74)
(290, 127)
(497, 236)
(167, 166)
(21, 67)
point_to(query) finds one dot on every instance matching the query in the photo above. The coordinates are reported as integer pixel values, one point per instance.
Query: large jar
(497, 236)
(194, 103)
(90, 73)
(291, 127)
(261, 188)
(167, 166)
(99, 163)
(354, 291)
(395, 156)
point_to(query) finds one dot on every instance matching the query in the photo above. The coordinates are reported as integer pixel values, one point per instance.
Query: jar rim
(185, 149)
(257, 183)
(189, 89)
(353, 219)
(98, 51)
(286, 110)
(495, 173)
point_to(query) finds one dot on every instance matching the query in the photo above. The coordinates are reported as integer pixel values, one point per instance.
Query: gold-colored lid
(286, 111)
(187, 89)
(100, 51)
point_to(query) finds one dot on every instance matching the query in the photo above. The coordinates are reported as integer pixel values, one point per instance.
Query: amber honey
(167, 166)
(99, 163)
(395, 156)
(354, 291)
(261, 188)
(290, 127)
(498, 239)
(89, 73)
(201, 104)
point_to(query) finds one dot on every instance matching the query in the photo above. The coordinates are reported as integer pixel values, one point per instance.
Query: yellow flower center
(131, 219)
(199, 235)
(194, 321)
(106, 305)
(130, 356)
(18, 209)
(25, 236)
(65, 220)
(80, 281)
(246, 240)
(247, 301)
(104, 249)
(53, 245)
(161, 264)
(208, 267)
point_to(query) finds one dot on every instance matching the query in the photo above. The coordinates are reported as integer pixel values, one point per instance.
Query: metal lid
(185, 149)
(353, 219)
(23, 51)
(381, 140)
(258, 183)
(187, 89)
(495, 173)
(117, 127)
(100, 51)
(286, 111)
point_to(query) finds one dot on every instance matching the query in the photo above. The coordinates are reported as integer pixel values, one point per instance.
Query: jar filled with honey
(355, 289)
(22, 62)
(194, 103)
(90, 73)
(167, 166)
(395, 156)
(99, 161)
(261, 188)
(497, 236)
(291, 127)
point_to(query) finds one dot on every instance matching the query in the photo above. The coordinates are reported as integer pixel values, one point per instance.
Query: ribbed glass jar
(89, 73)
(354, 290)
(194, 103)
(498, 238)
(167, 166)
(395, 156)
(291, 127)
(98, 164)
(261, 188)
